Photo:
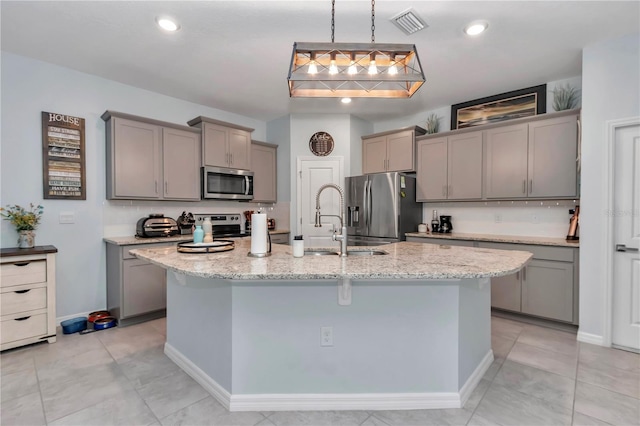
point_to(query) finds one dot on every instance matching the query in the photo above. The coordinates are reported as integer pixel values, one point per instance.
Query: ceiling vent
(409, 21)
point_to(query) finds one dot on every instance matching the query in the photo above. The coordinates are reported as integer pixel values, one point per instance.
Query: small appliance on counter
(445, 224)
(573, 234)
(186, 221)
(223, 225)
(156, 225)
(247, 219)
(271, 224)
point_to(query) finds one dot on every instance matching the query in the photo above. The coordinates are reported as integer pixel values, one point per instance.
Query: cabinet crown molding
(197, 122)
(108, 114)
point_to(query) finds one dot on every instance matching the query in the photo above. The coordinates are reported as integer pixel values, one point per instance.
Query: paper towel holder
(267, 254)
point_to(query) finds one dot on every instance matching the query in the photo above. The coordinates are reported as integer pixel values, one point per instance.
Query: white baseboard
(66, 317)
(352, 401)
(210, 385)
(594, 339)
(474, 379)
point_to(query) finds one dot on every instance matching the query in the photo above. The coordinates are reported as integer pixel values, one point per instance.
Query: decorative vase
(26, 239)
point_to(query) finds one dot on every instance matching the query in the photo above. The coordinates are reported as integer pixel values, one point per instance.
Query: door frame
(298, 176)
(612, 127)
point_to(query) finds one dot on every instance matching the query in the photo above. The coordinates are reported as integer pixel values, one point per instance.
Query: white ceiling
(234, 55)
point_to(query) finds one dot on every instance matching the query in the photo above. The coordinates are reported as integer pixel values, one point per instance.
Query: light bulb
(372, 67)
(313, 69)
(333, 68)
(353, 69)
(345, 100)
(393, 69)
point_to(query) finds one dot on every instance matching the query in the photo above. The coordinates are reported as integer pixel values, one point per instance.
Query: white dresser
(27, 296)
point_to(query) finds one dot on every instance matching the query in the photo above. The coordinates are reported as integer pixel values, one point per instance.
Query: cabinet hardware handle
(22, 319)
(231, 156)
(166, 187)
(524, 186)
(22, 291)
(156, 187)
(518, 276)
(530, 186)
(21, 263)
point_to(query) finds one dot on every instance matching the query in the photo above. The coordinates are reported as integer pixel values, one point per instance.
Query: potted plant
(25, 221)
(433, 124)
(565, 97)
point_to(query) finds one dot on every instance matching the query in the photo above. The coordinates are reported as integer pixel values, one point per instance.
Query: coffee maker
(445, 224)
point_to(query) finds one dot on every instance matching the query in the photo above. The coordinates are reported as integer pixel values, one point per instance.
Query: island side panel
(475, 326)
(395, 337)
(199, 324)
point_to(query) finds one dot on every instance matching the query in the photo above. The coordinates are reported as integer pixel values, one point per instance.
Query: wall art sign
(63, 157)
(321, 144)
(505, 106)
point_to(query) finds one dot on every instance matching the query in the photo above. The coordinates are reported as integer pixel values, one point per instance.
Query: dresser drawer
(23, 300)
(28, 272)
(23, 328)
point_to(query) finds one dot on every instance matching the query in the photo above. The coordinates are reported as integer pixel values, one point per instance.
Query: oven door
(227, 184)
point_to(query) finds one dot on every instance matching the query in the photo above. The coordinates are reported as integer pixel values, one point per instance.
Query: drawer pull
(22, 291)
(22, 319)
(22, 263)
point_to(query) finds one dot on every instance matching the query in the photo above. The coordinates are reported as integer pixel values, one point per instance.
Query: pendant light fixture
(354, 70)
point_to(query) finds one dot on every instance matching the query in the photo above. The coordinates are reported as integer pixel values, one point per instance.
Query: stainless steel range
(224, 224)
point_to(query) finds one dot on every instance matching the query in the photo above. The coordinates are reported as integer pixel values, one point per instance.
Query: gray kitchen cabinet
(532, 160)
(151, 159)
(264, 167)
(449, 168)
(547, 287)
(280, 238)
(136, 289)
(391, 151)
(224, 144)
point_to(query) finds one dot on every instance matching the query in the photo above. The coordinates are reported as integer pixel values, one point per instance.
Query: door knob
(625, 249)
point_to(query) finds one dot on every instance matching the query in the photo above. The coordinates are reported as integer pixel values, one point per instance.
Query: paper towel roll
(259, 233)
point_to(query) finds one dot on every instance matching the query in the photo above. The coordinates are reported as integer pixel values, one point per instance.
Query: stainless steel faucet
(342, 237)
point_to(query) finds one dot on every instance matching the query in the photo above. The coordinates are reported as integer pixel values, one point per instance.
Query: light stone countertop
(514, 239)
(133, 240)
(404, 261)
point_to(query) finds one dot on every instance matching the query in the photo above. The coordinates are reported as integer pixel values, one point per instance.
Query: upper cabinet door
(214, 145)
(400, 149)
(239, 149)
(181, 153)
(506, 162)
(263, 165)
(374, 155)
(431, 173)
(553, 150)
(465, 166)
(136, 160)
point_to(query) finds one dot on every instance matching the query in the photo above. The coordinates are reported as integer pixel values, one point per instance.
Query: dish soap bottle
(198, 234)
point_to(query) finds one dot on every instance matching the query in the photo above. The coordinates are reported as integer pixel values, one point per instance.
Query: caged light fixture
(354, 70)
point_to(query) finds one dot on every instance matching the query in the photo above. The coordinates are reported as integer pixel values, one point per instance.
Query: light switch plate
(67, 217)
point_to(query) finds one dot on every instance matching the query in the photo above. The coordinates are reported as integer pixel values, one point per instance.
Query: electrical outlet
(497, 218)
(67, 217)
(535, 218)
(326, 336)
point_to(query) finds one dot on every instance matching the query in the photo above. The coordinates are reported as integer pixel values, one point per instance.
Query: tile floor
(121, 376)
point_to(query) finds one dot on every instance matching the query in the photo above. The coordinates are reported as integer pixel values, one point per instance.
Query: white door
(626, 229)
(312, 173)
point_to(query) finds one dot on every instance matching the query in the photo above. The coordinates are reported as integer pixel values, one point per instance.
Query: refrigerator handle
(365, 206)
(369, 208)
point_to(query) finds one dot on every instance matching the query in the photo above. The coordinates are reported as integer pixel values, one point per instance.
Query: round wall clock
(321, 144)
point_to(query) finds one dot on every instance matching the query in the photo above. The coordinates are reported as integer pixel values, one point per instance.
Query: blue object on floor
(74, 325)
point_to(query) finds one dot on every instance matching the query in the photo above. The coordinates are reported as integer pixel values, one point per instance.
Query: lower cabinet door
(505, 292)
(547, 289)
(144, 288)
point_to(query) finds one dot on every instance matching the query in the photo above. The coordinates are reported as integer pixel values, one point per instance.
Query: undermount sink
(365, 252)
(359, 252)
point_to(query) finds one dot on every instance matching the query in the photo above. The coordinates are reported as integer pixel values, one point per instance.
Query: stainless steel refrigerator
(381, 207)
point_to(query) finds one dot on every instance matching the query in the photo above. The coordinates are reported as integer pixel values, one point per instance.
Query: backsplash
(523, 218)
(120, 217)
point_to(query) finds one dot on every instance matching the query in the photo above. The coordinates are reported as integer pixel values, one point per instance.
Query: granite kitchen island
(406, 330)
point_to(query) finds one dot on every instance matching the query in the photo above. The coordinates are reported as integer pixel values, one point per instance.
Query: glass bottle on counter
(207, 228)
(435, 224)
(198, 234)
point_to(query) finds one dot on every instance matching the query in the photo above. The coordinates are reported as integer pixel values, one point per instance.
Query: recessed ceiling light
(345, 100)
(476, 28)
(167, 24)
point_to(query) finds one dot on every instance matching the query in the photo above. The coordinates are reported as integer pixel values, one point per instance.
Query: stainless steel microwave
(227, 184)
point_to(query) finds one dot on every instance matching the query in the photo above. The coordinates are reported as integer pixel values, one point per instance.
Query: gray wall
(610, 90)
